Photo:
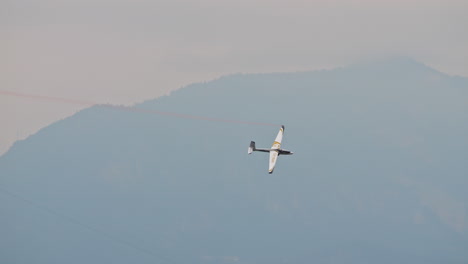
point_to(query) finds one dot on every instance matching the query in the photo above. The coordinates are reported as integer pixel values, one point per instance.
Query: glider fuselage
(274, 151)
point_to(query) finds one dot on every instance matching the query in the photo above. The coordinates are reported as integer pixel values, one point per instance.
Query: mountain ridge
(378, 173)
(401, 61)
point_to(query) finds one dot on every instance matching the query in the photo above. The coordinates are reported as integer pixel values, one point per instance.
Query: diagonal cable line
(130, 109)
(69, 219)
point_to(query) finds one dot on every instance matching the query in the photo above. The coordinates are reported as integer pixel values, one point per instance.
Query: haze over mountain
(379, 174)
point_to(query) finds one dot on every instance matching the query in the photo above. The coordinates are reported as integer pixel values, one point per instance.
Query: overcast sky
(127, 51)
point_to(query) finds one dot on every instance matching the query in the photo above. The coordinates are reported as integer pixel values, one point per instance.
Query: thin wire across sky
(129, 109)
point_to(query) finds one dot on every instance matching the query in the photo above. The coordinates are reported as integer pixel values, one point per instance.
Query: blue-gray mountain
(379, 174)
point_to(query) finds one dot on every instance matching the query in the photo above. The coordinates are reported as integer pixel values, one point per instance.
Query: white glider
(275, 150)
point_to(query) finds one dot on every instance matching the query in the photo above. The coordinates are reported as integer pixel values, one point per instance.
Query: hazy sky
(126, 51)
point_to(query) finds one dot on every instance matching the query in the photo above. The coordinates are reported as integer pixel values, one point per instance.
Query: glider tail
(251, 147)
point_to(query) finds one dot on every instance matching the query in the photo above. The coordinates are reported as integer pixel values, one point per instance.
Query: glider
(275, 150)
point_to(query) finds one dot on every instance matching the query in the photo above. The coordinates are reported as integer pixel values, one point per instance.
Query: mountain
(379, 174)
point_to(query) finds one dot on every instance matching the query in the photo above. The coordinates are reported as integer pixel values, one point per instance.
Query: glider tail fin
(251, 147)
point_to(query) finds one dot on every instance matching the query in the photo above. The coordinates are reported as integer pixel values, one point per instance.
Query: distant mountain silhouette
(379, 174)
